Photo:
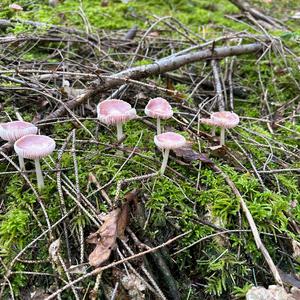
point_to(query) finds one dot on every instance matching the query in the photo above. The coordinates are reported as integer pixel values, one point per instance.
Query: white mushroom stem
(119, 131)
(158, 127)
(165, 161)
(21, 163)
(39, 174)
(222, 136)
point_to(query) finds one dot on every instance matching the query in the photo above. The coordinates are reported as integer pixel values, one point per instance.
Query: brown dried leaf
(132, 197)
(188, 154)
(123, 220)
(113, 227)
(100, 254)
(105, 238)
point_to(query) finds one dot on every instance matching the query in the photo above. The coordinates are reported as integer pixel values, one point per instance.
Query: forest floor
(221, 220)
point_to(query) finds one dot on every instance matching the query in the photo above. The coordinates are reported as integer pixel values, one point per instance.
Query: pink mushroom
(159, 108)
(15, 7)
(225, 119)
(14, 130)
(115, 112)
(166, 141)
(35, 147)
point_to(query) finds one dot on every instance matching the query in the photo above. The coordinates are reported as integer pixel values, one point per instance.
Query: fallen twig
(252, 224)
(101, 269)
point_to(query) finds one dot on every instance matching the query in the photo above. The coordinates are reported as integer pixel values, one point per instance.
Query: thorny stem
(222, 136)
(158, 126)
(119, 131)
(165, 161)
(39, 174)
(21, 163)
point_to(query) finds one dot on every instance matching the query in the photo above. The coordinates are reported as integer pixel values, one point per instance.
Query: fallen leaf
(104, 238)
(188, 154)
(100, 254)
(113, 227)
(123, 221)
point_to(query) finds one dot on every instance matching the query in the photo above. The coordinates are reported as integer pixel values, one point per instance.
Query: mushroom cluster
(28, 144)
(117, 112)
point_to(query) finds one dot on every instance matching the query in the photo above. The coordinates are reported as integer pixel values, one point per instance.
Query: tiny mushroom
(12, 131)
(166, 141)
(115, 112)
(15, 7)
(35, 147)
(159, 108)
(224, 119)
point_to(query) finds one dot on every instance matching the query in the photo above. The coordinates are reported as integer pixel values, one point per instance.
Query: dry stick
(252, 224)
(137, 178)
(218, 84)
(257, 15)
(61, 195)
(160, 66)
(81, 237)
(116, 263)
(68, 276)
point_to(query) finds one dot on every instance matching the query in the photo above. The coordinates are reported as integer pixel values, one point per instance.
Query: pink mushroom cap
(209, 122)
(15, 7)
(115, 111)
(159, 108)
(225, 119)
(169, 140)
(12, 131)
(34, 146)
